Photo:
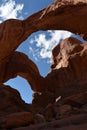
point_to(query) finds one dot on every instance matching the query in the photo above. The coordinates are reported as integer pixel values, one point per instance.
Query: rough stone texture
(49, 112)
(17, 120)
(10, 101)
(75, 122)
(60, 112)
(69, 14)
(43, 99)
(63, 15)
(19, 64)
(60, 99)
(69, 67)
(39, 118)
(12, 33)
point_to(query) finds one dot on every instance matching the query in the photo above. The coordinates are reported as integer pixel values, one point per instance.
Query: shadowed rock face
(10, 101)
(19, 64)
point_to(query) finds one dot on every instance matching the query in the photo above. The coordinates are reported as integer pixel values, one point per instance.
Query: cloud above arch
(10, 9)
(41, 45)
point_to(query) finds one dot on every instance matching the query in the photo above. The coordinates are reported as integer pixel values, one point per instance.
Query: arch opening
(23, 87)
(40, 46)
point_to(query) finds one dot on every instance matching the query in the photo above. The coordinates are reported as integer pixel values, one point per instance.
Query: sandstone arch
(61, 15)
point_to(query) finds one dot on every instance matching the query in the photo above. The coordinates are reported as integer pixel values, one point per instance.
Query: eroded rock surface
(68, 69)
(10, 101)
(19, 64)
(61, 15)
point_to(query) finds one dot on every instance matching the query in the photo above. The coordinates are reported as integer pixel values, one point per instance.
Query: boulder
(11, 101)
(17, 120)
(49, 112)
(39, 118)
(43, 99)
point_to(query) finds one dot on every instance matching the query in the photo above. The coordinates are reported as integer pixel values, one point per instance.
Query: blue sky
(38, 46)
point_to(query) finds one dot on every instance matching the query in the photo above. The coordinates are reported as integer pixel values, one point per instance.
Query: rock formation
(68, 68)
(60, 99)
(69, 15)
(19, 64)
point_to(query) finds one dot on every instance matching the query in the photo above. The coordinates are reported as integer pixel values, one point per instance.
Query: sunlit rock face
(60, 99)
(68, 69)
(64, 15)
(64, 51)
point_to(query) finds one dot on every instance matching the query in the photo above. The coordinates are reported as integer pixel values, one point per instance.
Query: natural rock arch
(62, 14)
(19, 64)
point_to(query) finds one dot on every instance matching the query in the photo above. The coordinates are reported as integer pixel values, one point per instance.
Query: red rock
(66, 57)
(75, 100)
(15, 32)
(19, 64)
(49, 112)
(17, 120)
(84, 108)
(65, 109)
(68, 75)
(63, 15)
(64, 11)
(43, 99)
(77, 122)
(59, 10)
(11, 101)
(67, 71)
(64, 51)
(39, 118)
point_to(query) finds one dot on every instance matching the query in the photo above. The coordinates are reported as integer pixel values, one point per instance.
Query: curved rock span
(19, 64)
(61, 15)
(68, 69)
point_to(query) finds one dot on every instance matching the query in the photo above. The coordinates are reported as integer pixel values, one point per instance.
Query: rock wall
(68, 70)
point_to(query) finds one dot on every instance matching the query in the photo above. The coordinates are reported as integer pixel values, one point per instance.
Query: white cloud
(45, 42)
(0, 21)
(9, 9)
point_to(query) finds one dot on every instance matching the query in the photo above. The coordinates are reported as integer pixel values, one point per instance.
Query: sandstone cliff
(60, 99)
